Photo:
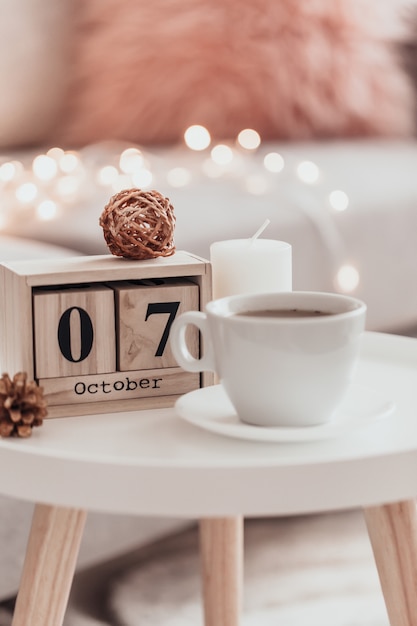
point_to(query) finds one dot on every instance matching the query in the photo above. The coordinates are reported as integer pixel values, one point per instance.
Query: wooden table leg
(392, 529)
(221, 551)
(49, 566)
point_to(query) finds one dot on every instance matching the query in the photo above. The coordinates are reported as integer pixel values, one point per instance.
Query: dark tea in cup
(283, 313)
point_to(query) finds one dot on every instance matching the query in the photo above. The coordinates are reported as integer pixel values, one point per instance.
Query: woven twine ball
(139, 224)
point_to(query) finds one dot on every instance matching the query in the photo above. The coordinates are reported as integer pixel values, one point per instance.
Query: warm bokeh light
(107, 175)
(69, 162)
(249, 139)
(339, 200)
(46, 210)
(55, 153)
(222, 154)
(308, 172)
(9, 170)
(347, 278)
(26, 192)
(197, 137)
(274, 162)
(131, 160)
(44, 167)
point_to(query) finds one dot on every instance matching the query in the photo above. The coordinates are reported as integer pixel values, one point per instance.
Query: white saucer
(210, 409)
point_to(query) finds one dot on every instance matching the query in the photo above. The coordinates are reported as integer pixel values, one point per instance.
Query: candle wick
(259, 231)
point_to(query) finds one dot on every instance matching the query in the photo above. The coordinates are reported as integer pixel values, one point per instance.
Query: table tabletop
(154, 463)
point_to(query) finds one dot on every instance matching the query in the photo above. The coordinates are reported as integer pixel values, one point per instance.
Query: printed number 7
(163, 307)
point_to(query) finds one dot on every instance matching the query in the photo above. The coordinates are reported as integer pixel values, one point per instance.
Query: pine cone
(22, 406)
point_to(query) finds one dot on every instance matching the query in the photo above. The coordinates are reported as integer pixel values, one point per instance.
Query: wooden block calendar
(94, 331)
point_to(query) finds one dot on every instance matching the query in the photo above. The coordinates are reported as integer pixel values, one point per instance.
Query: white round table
(154, 463)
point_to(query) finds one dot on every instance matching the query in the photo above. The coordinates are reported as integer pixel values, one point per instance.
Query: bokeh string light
(197, 137)
(42, 186)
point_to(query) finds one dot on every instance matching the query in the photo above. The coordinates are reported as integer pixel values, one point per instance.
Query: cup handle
(179, 345)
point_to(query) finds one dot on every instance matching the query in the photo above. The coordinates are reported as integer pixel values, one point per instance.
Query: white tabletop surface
(155, 463)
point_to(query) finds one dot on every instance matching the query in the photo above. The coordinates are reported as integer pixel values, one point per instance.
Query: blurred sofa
(348, 207)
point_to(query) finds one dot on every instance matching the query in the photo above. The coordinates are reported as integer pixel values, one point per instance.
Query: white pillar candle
(250, 266)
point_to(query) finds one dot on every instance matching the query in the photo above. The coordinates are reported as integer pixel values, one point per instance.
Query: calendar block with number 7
(94, 331)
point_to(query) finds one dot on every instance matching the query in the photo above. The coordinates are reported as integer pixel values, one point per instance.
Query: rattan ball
(139, 224)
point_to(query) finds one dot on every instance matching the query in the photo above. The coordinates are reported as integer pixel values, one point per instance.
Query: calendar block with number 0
(94, 331)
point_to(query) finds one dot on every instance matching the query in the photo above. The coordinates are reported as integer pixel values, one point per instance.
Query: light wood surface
(96, 305)
(99, 268)
(392, 530)
(141, 328)
(16, 339)
(118, 386)
(49, 566)
(221, 553)
(22, 310)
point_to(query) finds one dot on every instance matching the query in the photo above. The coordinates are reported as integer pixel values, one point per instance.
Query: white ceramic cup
(277, 371)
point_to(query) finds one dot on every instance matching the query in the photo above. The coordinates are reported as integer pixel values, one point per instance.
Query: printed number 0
(163, 307)
(64, 334)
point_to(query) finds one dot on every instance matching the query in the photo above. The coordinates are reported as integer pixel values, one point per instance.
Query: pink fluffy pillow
(292, 69)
